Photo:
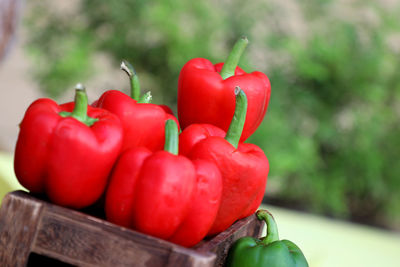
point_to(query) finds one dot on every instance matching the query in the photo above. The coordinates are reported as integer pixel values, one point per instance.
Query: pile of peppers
(177, 179)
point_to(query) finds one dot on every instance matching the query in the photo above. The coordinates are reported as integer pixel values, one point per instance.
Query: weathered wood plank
(19, 218)
(80, 239)
(221, 243)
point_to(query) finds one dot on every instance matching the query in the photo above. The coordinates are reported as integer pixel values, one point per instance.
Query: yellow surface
(8, 181)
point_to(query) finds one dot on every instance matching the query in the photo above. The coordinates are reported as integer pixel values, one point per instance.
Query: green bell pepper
(268, 251)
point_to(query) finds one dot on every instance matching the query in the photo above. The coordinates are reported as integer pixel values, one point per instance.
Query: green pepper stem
(80, 107)
(171, 137)
(232, 61)
(272, 228)
(134, 79)
(239, 117)
(146, 98)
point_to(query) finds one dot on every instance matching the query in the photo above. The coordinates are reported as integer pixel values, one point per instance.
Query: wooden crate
(32, 229)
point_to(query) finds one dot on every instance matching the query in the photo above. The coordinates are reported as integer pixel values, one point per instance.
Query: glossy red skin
(195, 133)
(204, 97)
(164, 195)
(120, 194)
(62, 157)
(204, 205)
(162, 191)
(143, 123)
(244, 176)
(167, 109)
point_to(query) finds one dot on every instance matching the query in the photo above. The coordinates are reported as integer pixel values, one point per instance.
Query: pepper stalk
(272, 228)
(80, 107)
(233, 59)
(171, 137)
(134, 83)
(239, 117)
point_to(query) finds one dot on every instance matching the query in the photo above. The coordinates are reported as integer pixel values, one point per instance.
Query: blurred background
(332, 129)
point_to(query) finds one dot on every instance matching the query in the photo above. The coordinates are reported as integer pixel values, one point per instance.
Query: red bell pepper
(194, 134)
(244, 167)
(202, 84)
(164, 194)
(67, 151)
(143, 122)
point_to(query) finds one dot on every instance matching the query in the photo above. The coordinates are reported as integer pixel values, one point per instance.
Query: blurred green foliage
(332, 129)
